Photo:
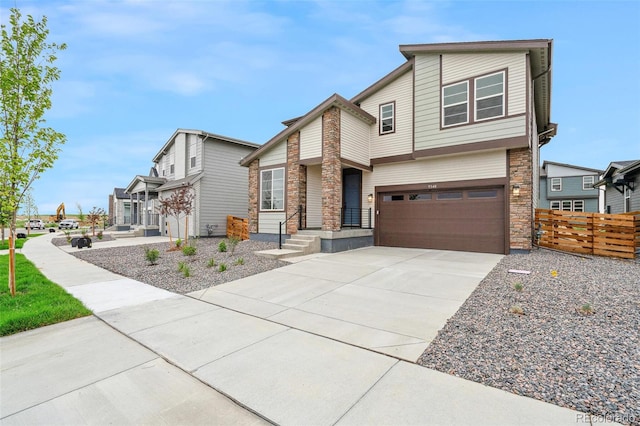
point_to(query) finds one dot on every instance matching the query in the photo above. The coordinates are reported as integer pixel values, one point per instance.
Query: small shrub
(518, 287)
(240, 261)
(233, 242)
(151, 255)
(186, 271)
(586, 309)
(178, 243)
(188, 250)
(181, 266)
(222, 247)
(516, 309)
(68, 235)
(211, 263)
(222, 267)
(99, 235)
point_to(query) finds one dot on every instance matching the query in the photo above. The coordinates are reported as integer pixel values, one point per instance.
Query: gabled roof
(333, 100)
(173, 184)
(144, 179)
(630, 167)
(121, 194)
(540, 57)
(392, 76)
(167, 145)
(544, 166)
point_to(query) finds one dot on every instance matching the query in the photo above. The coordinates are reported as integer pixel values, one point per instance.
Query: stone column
(331, 170)
(521, 206)
(253, 195)
(293, 181)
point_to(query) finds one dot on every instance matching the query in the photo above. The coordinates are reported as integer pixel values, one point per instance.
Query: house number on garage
(432, 186)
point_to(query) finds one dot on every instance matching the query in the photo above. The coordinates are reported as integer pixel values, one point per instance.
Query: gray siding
(571, 188)
(427, 100)
(224, 186)
(615, 200)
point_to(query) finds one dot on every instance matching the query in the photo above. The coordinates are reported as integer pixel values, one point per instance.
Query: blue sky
(135, 71)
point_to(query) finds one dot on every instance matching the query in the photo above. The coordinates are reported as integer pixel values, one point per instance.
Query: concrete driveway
(386, 299)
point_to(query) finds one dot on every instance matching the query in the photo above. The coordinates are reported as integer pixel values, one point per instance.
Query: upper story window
(455, 104)
(192, 152)
(387, 118)
(272, 189)
(556, 184)
(587, 182)
(172, 167)
(489, 96)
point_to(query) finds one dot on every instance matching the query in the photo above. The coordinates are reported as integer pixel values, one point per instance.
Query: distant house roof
(121, 194)
(173, 184)
(588, 169)
(205, 135)
(624, 168)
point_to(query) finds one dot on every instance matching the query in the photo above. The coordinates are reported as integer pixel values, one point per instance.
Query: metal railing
(299, 213)
(353, 218)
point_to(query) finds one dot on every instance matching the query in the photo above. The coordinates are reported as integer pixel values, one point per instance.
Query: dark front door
(351, 183)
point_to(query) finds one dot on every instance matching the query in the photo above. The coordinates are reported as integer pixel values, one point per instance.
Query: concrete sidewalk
(179, 360)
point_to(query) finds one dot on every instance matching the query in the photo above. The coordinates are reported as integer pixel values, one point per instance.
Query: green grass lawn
(4, 245)
(37, 302)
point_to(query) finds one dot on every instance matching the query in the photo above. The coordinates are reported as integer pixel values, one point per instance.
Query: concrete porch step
(279, 253)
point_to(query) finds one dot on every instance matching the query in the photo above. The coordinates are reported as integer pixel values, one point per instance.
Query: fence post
(280, 235)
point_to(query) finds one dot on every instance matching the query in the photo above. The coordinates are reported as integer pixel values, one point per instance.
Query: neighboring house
(121, 213)
(570, 188)
(210, 164)
(440, 153)
(621, 181)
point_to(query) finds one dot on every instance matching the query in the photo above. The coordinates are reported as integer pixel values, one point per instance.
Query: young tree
(28, 147)
(178, 203)
(29, 207)
(94, 217)
(81, 217)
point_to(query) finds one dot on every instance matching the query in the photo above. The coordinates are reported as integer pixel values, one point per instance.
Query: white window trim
(556, 203)
(551, 184)
(459, 103)
(626, 196)
(574, 205)
(283, 189)
(570, 205)
(393, 118)
(586, 185)
(476, 98)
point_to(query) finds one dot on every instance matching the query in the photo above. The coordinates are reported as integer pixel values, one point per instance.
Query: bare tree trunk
(186, 230)
(12, 262)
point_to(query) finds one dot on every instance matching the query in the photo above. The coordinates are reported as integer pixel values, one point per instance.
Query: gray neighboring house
(121, 213)
(208, 162)
(568, 187)
(621, 181)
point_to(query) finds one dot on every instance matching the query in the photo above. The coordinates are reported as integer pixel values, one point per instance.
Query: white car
(68, 224)
(34, 224)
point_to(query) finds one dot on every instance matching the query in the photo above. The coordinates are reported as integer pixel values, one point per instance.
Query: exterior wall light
(515, 190)
(370, 198)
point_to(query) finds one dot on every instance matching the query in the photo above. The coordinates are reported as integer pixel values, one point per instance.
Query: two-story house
(570, 188)
(209, 164)
(440, 153)
(621, 181)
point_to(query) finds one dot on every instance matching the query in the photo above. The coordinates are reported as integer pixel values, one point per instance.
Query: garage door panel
(458, 219)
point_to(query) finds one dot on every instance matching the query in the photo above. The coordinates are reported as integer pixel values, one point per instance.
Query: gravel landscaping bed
(130, 262)
(558, 350)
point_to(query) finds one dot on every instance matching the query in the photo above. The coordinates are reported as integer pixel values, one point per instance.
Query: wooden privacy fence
(615, 235)
(237, 227)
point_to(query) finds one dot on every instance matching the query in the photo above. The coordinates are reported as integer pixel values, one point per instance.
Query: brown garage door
(452, 219)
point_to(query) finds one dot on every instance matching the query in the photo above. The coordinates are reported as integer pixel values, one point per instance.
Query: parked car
(35, 224)
(68, 224)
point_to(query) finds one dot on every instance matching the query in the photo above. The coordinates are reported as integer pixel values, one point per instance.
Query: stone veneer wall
(331, 170)
(521, 206)
(253, 195)
(296, 183)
